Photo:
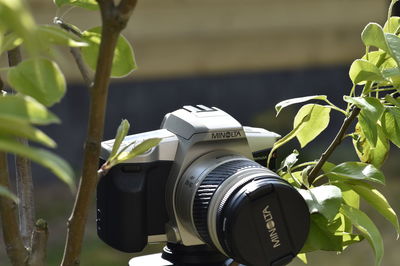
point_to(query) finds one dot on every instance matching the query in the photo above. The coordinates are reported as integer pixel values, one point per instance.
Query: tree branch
(335, 143)
(23, 171)
(11, 235)
(39, 244)
(112, 26)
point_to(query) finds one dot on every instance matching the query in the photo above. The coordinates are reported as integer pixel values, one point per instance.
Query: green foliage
(87, 4)
(356, 171)
(123, 61)
(4, 192)
(40, 78)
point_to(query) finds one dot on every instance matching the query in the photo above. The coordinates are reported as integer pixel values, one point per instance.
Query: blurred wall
(193, 37)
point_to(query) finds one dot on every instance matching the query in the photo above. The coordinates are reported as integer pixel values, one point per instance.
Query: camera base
(179, 255)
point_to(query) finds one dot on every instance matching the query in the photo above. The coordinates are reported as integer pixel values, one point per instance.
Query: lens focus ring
(207, 189)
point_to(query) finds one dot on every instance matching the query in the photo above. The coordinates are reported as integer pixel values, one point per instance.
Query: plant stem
(114, 19)
(39, 243)
(335, 143)
(23, 176)
(15, 248)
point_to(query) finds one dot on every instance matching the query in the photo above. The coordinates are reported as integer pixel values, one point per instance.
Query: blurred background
(240, 56)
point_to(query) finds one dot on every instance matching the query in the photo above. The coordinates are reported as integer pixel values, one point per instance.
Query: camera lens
(242, 209)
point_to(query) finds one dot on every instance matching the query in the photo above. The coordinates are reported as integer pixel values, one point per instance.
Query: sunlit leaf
(302, 257)
(350, 197)
(25, 108)
(288, 102)
(4, 192)
(376, 200)
(139, 149)
(367, 228)
(121, 134)
(356, 171)
(393, 43)
(371, 111)
(391, 124)
(362, 70)
(43, 157)
(123, 61)
(394, 25)
(317, 122)
(325, 200)
(40, 78)
(373, 35)
(290, 160)
(366, 153)
(87, 4)
(15, 127)
(9, 42)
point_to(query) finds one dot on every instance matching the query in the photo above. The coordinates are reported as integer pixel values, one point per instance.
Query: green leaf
(4, 192)
(350, 197)
(377, 56)
(368, 154)
(394, 25)
(302, 257)
(59, 36)
(393, 43)
(373, 35)
(288, 102)
(391, 124)
(371, 111)
(325, 200)
(123, 61)
(18, 128)
(43, 157)
(9, 42)
(320, 238)
(367, 228)
(121, 134)
(25, 108)
(327, 167)
(290, 160)
(349, 239)
(87, 4)
(356, 171)
(390, 99)
(362, 70)
(135, 151)
(317, 122)
(376, 200)
(40, 78)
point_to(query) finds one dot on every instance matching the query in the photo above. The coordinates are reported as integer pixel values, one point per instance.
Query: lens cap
(265, 222)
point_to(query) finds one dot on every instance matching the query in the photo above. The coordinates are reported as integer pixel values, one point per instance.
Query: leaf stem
(114, 20)
(335, 143)
(302, 165)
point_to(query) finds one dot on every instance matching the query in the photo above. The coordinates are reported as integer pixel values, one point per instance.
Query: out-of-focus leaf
(4, 192)
(366, 153)
(391, 124)
(121, 134)
(9, 42)
(302, 257)
(27, 109)
(18, 128)
(371, 111)
(59, 36)
(392, 100)
(376, 200)
(43, 157)
(367, 228)
(318, 120)
(356, 171)
(123, 61)
(87, 4)
(325, 200)
(40, 78)
(362, 70)
(135, 151)
(320, 238)
(288, 102)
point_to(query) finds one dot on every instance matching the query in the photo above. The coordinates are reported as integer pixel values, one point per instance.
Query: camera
(204, 187)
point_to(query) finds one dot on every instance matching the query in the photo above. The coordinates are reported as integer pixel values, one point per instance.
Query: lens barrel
(247, 212)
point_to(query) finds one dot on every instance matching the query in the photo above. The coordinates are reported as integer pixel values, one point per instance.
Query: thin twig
(15, 248)
(39, 244)
(23, 171)
(113, 24)
(76, 53)
(335, 143)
